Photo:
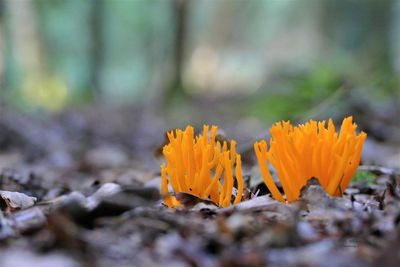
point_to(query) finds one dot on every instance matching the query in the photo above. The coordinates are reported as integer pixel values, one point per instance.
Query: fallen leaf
(189, 200)
(13, 201)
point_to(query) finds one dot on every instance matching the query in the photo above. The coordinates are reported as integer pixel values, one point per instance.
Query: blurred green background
(278, 58)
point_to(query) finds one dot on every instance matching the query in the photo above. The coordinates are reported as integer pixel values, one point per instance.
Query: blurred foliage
(297, 93)
(363, 176)
(65, 40)
(285, 59)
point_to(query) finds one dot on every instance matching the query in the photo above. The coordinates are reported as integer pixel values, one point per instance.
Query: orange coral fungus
(200, 166)
(310, 150)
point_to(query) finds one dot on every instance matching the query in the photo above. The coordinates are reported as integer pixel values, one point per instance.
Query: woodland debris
(13, 201)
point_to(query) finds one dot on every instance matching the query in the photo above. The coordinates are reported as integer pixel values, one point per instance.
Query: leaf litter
(87, 199)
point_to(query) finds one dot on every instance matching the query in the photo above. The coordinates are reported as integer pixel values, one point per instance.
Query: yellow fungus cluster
(203, 167)
(200, 166)
(310, 150)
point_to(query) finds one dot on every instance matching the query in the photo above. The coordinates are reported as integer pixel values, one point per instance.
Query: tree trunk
(96, 16)
(180, 13)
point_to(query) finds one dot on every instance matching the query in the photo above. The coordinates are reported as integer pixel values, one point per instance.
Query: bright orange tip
(201, 166)
(310, 150)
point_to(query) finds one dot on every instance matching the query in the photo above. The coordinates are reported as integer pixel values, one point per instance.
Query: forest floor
(82, 189)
